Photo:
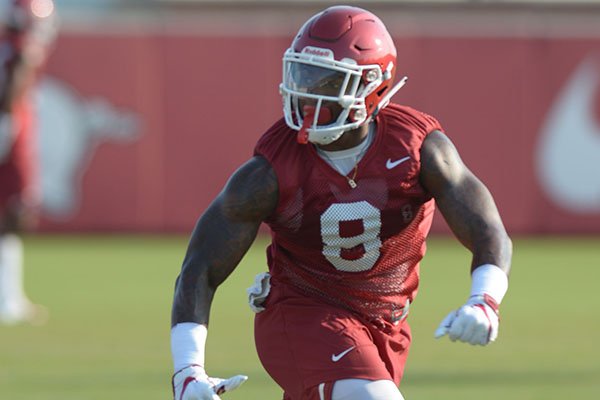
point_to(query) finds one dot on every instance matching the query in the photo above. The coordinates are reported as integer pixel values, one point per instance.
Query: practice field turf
(110, 299)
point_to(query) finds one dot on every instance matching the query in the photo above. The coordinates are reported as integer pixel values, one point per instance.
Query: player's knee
(362, 389)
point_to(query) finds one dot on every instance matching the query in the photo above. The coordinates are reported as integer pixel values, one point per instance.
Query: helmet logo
(318, 51)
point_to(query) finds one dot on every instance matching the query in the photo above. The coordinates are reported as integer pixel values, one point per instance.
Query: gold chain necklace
(351, 180)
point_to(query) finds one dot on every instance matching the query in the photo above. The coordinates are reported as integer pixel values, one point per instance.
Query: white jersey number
(334, 244)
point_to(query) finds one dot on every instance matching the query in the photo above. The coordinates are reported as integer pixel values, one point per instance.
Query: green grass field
(110, 299)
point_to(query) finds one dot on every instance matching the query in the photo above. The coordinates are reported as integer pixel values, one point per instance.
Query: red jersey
(357, 248)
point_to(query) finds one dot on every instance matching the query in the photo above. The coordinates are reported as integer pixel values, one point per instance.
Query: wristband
(491, 280)
(485, 299)
(188, 341)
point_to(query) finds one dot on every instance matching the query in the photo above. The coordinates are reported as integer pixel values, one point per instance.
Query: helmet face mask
(338, 85)
(338, 69)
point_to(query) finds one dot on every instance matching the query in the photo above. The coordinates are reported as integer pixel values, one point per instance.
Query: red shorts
(303, 343)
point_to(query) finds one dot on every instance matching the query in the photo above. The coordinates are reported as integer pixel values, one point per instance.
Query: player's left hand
(476, 322)
(192, 383)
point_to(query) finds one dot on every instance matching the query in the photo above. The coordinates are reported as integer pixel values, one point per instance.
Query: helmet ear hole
(357, 115)
(381, 91)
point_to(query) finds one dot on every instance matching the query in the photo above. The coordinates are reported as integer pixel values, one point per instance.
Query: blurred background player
(27, 32)
(347, 184)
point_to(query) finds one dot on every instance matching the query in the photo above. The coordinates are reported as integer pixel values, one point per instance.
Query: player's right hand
(475, 323)
(192, 383)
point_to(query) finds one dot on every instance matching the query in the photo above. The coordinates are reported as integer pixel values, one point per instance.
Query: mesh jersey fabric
(356, 248)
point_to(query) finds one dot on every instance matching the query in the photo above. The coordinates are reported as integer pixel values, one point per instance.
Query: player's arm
(470, 211)
(222, 236)
(20, 65)
(465, 203)
(18, 71)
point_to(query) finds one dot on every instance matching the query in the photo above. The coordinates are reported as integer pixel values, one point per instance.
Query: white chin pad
(320, 137)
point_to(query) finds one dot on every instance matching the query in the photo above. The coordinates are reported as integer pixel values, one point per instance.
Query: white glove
(192, 383)
(257, 293)
(476, 322)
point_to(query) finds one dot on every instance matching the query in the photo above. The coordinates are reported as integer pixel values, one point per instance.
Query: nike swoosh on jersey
(393, 164)
(338, 357)
(569, 146)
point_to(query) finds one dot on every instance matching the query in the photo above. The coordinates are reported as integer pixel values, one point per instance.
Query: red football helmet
(337, 73)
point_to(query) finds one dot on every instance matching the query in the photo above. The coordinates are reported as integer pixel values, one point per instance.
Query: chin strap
(386, 99)
(302, 136)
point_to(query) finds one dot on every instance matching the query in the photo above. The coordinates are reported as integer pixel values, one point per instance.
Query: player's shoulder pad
(402, 115)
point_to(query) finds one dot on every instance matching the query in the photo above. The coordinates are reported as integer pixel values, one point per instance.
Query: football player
(27, 29)
(347, 183)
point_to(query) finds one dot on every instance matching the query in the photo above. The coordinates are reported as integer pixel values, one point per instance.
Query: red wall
(203, 101)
